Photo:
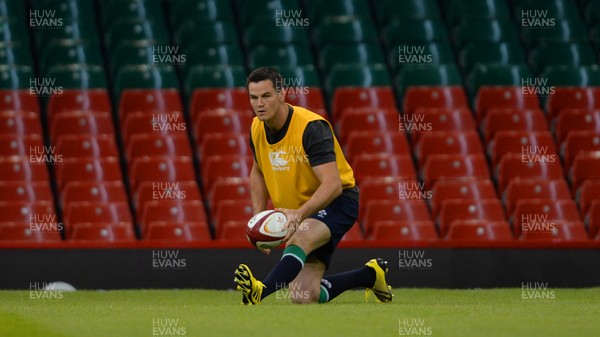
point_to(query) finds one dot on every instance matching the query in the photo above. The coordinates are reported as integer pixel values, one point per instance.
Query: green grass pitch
(414, 312)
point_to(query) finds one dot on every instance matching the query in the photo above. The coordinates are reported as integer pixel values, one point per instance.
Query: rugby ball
(265, 229)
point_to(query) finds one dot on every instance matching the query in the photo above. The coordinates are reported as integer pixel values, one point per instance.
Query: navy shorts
(339, 217)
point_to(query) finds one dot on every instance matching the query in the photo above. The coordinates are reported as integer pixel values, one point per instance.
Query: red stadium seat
(172, 211)
(229, 189)
(592, 218)
(88, 169)
(19, 145)
(382, 188)
(494, 97)
(523, 189)
(537, 215)
(86, 211)
(149, 100)
(443, 166)
(231, 210)
(366, 119)
(14, 231)
(96, 100)
(448, 142)
(578, 141)
(537, 147)
(224, 144)
(80, 123)
(232, 231)
(354, 234)
(586, 166)
(434, 97)
(393, 210)
(560, 231)
(27, 211)
(179, 231)
(469, 189)
(356, 97)
(222, 121)
(164, 123)
(572, 98)
(158, 144)
(169, 191)
(160, 168)
(20, 123)
(479, 230)
(18, 100)
(576, 120)
(403, 231)
(25, 191)
(224, 167)
(22, 169)
(438, 119)
(81, 146)
(375, 142)
(463, 209)
(587, 194)
(312, 100)
(383, 165)
(512, 120)
(103, 232)
(205, 99)
(512, 166)
(93, 191)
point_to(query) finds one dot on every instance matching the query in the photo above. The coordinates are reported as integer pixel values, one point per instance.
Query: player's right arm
(258, 190)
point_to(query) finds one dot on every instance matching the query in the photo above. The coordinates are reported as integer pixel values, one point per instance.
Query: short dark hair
(266, 73)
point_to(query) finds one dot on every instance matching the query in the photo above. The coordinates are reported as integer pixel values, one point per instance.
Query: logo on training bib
(277, 161)
(322, 213)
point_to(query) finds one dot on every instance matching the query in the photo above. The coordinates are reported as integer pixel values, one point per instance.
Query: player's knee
(306, 296)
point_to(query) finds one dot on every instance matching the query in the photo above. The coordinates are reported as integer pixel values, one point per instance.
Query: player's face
(266, 102)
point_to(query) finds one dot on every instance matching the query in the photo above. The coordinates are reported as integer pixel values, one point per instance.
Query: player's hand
(294, 219)
(266, 251)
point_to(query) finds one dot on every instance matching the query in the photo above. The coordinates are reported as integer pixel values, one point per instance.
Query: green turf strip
(414, 312)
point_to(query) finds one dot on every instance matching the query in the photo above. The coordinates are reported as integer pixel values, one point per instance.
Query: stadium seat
(479, 30)
(70, 30)
(142, 144)
(208, 99)
(69, 52)
(15, 78)
(231, 210)
(525, 189)
(434, 97)
(382, 188)
(496, 120)
(214, 77)
(350, 53)
(425, 120)
(22, 169)
(168, 191)
(586, 166)
(458, 10)
(21, 232)
(153, 100)
(468, 189)
(563, 31)
(393, 210)
(87, 169)
(18, 100)
(587, 194)
(175, 211)
(160, 168)
(217, 32)
(311, 98)
(511, 166)
(383, 165)
(233, 231)
(80, 123)
(250, 13)
(27, 212)
(494, 97)
(426, 75)
(412, 31)
(375, 142)
(93, 191)
(533, 215)
(20, 123)
(576, 142)
(163, 123)
(338, 10)
(135, 29)
(463, 209)
(576, 120)
(296, 78)
(389, 10)
(102, 232)
(447, 142)
(572, 98)
(593, 218)
(25, 191)
(560, 231)
(475, 53)
(552, 8)
(223, 144)
(199, 11)
(106, 212)
(80, 146)
(346, 31)
(479, 230)
(444, 166)
(224, 167)
(403, 231)
(96, 100)
(575, 76)
(209, 54)
(223, 121)
(357, 75)
(366, 119)
(539, 146)
(177, 232)
(76, 76)
(286, 54)
(572, 54)
(229, 189)
(351, 97)
(265, 31)
(116, 10)
(497, 75)
(142, 76)
(19, 145)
